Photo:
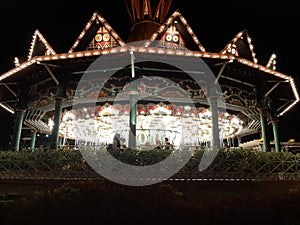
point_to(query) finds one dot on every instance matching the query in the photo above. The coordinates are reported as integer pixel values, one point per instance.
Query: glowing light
(7, 108)
(50, 123)
(16, 62)
(184, 125)
(170, 20)
(96, 16)
(49, 49)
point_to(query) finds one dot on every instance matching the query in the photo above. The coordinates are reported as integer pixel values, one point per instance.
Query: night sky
(273, 27)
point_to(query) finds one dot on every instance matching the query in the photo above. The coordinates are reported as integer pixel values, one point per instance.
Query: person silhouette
(167, 144)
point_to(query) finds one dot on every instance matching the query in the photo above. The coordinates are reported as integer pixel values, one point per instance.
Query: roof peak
(154, 10)
(146, 16)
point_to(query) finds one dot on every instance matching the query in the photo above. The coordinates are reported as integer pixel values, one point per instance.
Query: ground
(182, 202)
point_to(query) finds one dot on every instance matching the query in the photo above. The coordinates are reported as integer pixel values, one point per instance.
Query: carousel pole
(133, 106)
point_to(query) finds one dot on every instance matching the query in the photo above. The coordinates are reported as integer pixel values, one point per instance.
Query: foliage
(227, 160)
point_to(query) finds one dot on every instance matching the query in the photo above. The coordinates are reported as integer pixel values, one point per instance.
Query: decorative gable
(175, 33)
(241, 46)
(97, 34)
(39, 46)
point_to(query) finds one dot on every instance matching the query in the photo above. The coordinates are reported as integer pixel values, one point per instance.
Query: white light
(188, 127)
(50, 124)
(17, 62)
(6, 108)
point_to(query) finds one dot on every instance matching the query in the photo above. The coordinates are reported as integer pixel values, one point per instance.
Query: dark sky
(272, 26)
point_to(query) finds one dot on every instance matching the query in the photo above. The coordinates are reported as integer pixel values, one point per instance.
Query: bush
(230, 161)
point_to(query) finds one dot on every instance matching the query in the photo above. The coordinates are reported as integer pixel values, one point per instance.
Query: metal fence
(228, 166)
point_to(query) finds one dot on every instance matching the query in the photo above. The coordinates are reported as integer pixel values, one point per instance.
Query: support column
(263, 101)
(215, 139)
(33, 139)
(132, 119)
(133, 105)
(60, 94)
(19, 119)
(57, 118)
(275, 122)
(264, 129)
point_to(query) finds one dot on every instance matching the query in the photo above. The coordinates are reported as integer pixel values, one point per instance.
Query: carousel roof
(235, 63)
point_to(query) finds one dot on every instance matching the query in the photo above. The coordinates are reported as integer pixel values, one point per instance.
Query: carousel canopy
(236, 68)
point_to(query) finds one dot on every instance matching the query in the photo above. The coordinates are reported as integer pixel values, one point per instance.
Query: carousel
(67, 97)
(183, 125)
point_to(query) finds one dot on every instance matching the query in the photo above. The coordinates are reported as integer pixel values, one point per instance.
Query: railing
(228, 165)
